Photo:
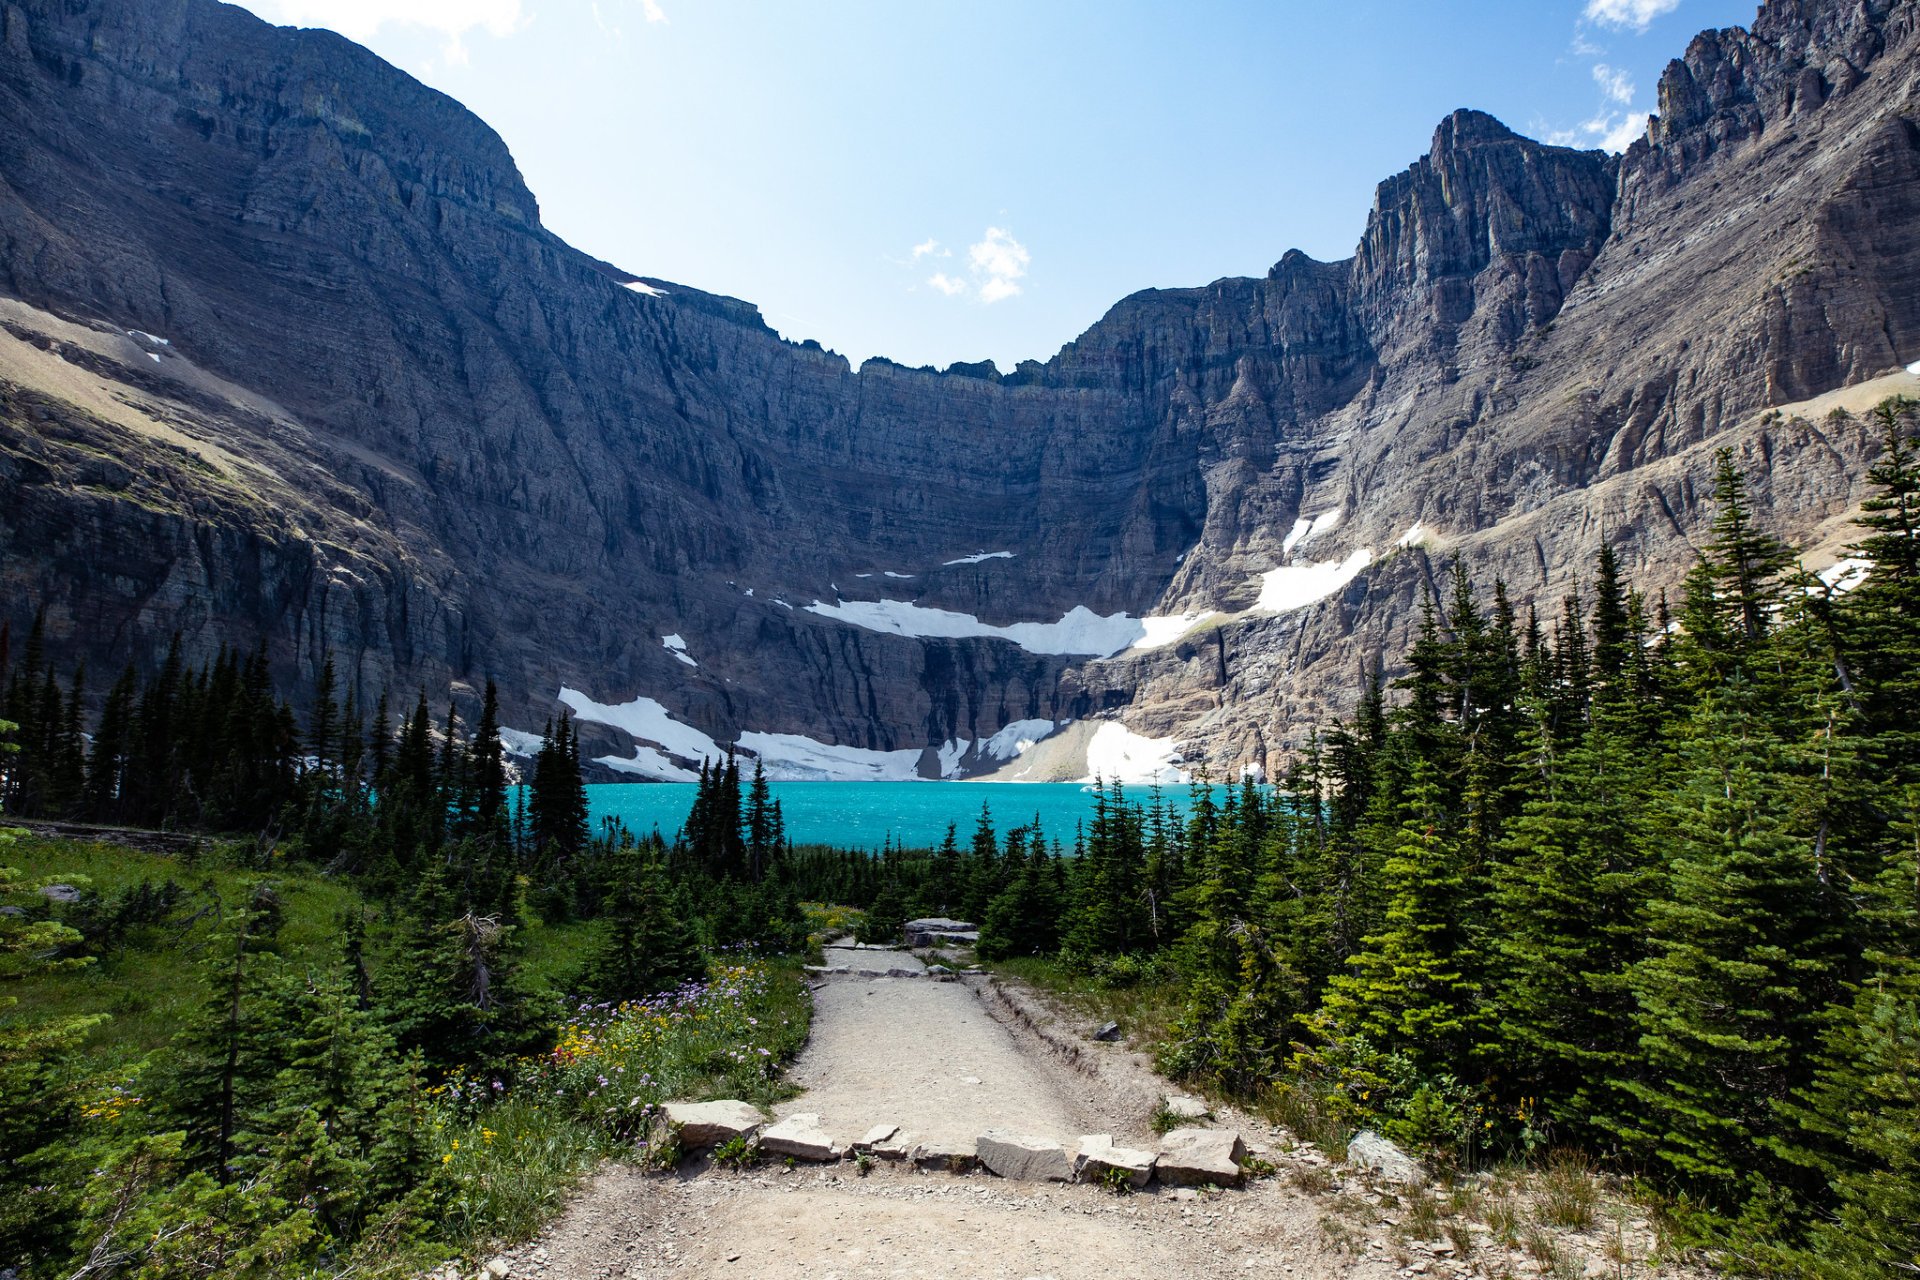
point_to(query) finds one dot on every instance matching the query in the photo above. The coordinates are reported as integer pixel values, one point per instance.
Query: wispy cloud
(1637, 14)
(999, 262)
(996, 264)
(1616, 85)
(652, 11)
(363, 19)
(1629, 129)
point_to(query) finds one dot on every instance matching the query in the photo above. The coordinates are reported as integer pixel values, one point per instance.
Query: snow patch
(154, 356)
(678, 648)
(1844, 575)
(951, 752)
(1162, 631)
(1305, 531)
(784, 605)
(1118, 754)
(1297, 586)
(891, 574)
(151, 339)
(649, 763)
(518, 742)
(979, 557)
(1016, 739)
(1412, 537)
(1080, 631)
(789, 757)
(645, 719)
(1914, 368)
(641, 286)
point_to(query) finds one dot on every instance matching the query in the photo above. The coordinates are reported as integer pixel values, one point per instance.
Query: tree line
(1641, 878)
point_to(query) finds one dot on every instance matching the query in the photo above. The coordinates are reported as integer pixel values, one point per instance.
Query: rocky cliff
(284, 348)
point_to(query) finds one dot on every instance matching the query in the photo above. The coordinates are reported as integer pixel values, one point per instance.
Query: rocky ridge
(284, 348)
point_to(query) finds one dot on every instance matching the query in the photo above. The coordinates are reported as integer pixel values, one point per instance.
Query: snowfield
(1016, 738)
(1297, 586)
(520, 743)
(1162, 631)
(1305, 531)
(647, 720)
(1118, 754)
(978, 557)
(789, 757)
(1080, 632)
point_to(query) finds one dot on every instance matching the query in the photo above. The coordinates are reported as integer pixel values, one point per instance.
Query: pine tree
(1740, 948)
(1408, 988)
(644, 945)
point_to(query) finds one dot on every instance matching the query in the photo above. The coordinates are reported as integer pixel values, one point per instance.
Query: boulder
(708, 1124)
(1190, 1157)
(801, 1137)
(1023, 1158)
(60, 893)
(1097, 1154)
(498, 1268)
(875, 1136)
(1183, 1106)
(1379, 1156)
(1107, 1031)
(949, 1157)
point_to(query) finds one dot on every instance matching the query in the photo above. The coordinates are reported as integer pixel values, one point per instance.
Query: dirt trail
(948, 1060)
(927, 1056)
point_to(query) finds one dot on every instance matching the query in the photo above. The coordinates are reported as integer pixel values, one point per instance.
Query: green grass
(507, 1163)
(1145, 1010)
(148, 985)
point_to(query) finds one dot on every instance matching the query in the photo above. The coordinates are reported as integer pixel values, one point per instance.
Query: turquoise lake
(864, 814)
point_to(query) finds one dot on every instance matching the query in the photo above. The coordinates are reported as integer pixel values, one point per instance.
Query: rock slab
(1023, 1158)
(1097, 1156)
(708, 1124)
(1380, 1156)
(801, 1137)
(1191, 1157)
(946, 1157)
(876, 1136)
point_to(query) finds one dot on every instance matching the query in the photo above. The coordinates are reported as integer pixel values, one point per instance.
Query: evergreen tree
(645, 946)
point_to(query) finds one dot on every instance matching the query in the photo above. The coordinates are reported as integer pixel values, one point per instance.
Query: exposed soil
(948, 1060)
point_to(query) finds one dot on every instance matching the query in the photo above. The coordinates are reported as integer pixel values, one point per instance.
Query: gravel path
(947, 1061)
(926, 1056)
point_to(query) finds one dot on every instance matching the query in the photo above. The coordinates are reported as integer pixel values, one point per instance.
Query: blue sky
(945, 181)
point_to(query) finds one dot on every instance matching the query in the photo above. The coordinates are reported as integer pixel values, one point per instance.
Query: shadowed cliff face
(285, 348)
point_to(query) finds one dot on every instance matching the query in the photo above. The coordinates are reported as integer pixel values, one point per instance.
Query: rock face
(285, 350)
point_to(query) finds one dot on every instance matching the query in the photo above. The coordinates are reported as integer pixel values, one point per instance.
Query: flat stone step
(708, 1124)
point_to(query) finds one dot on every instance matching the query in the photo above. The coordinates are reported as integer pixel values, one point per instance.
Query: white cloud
(1617, 85)
(1629, 13)
(1585, 48)
(362, 19)
(947, 284)
(999, 261)
(653, 11)
(1632, 127)
(927, 246)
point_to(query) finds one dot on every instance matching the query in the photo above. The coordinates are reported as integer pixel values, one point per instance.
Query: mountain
(285, 350)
